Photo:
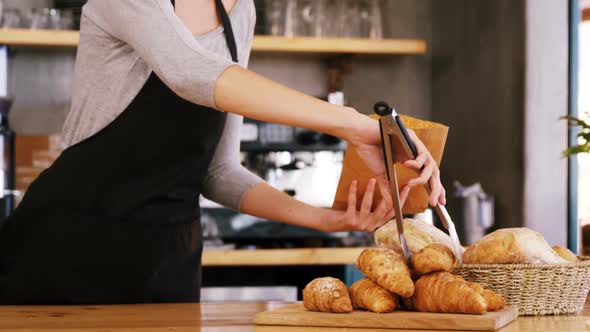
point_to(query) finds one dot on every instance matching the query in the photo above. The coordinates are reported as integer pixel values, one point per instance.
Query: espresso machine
(302, 163)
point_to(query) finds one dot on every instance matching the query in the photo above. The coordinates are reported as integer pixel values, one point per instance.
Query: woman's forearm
(243, 92)
(269, 203)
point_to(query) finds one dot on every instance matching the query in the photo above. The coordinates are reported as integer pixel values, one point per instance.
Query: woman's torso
(109, 73)
(115, 219)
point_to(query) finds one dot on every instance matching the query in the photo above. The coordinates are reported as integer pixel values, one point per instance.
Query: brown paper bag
(434, 136)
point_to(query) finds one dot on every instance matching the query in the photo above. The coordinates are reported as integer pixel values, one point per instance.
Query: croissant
(443, 292)
(326, 294)
(388, 269)
(433, 258)
(566, 254)
(366, 294)
(494, 300)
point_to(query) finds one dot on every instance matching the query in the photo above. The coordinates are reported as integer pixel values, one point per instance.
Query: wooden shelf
(338, 45)
(276, 257)
(40, 38)
(58, 38)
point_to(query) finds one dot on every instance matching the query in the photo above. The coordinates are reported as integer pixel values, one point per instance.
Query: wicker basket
(535, 289)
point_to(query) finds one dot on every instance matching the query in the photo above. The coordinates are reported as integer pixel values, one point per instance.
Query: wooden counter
(235, 317)
(276, 257)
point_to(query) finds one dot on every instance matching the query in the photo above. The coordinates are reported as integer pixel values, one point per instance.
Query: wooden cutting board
(296, 315)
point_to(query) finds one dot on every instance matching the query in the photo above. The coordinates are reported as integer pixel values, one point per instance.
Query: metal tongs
(395, 137)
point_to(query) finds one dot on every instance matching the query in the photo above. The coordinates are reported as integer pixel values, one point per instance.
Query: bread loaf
(512, 245)
(566, 254)
(418, 233)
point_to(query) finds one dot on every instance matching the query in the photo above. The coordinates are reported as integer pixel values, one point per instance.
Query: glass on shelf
(275, 17)
(350, 18)
(66, 21)
(323, 18)
(39, 19)
(12, 19)
(371, 25)
(298, 19)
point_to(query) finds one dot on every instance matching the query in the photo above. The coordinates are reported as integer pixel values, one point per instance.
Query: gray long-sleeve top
(123, 41)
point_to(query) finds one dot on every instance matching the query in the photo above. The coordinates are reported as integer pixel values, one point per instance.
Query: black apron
(116, 219)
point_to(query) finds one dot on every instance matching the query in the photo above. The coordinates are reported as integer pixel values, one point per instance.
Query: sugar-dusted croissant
(443, 292)
(494, 300)
(566, 254)
(366, 294)
(326, 294)
(388, 269)
(434, 257)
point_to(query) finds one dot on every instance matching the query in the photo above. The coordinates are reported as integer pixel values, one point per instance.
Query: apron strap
(227, 29)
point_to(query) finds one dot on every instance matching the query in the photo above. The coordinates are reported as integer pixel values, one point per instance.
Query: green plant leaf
(575, 122)
(576, 150)
(583, 135)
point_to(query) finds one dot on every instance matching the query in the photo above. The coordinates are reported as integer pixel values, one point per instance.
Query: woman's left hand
(367, 142)
(364, 219)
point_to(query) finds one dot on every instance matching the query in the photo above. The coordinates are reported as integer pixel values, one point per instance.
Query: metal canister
(476, 211)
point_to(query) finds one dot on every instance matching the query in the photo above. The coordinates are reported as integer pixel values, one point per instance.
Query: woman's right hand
(367, 141)
(364, 218)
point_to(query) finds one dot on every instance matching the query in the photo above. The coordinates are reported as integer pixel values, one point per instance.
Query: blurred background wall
(494, 73)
